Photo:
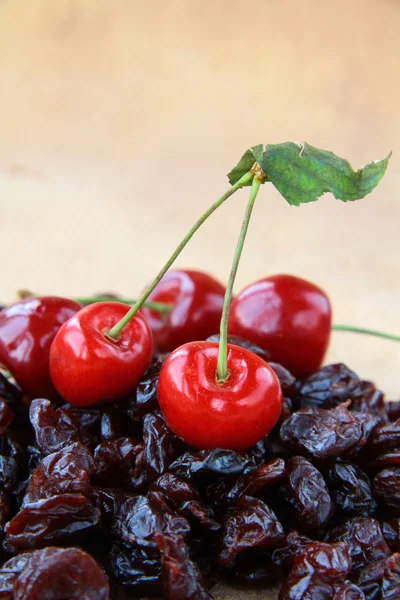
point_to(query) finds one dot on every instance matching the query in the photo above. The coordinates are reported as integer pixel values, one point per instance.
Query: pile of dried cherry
(109, 503)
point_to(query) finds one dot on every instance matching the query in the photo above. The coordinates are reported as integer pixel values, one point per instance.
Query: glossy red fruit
(205, 414)
(86, 367)
(27, 330)
(287, 316)
(197, 300)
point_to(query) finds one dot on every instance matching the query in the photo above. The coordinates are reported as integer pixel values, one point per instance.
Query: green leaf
(302, 173)
(244, 165)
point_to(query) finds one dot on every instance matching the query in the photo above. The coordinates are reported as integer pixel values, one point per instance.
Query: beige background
(119, 120)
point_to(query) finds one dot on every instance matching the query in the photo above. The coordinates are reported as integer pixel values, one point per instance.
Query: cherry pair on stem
(207, 391)
(211, 394)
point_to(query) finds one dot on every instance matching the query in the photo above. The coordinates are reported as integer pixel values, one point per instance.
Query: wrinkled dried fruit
(255, 482)
(146, 391)
(185, 500)
(364, 540)
(182, 577)
(307, 495)
(52, 429)
(330, 386)
(315, 571)
(67, 471)
(138, 569)
(53, 574)
(350, 489)
(293, 544)
(391, 533)
(250, 524)
(161, 446)
(61, 519)
(348, 591)
(381, 579)
(325, 435)
(386, 487)
(118, 462)
(200, 464)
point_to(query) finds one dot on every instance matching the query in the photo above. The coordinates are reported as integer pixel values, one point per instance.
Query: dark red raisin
(315, 571)
(350, 489)
(391, 533)
(364, 540)
(250, 524)
(185, 500)
(182, 579)
(62, 519)
(306, 494)
(117, 462)
(53, 574)
(393, 410)
(293, 544)
(53, 429)
(327, 434)
(161, 446)
(328, 387)
(381, 580)
(255, 482)
(65, 472)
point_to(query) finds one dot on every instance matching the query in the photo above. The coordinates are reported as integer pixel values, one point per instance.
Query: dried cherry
(65, 472)
(53, 430)
(350, 489)
(250, 524)
(118, 462)
(380, 580)
(306, 494)
(327, 434)
(386, 487)
(364, 540)
(53, 574)
(182, 577)
(315, 572)
(330, 386)
(62, 519)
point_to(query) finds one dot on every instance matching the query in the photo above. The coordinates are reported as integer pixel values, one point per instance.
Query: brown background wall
(119, 121)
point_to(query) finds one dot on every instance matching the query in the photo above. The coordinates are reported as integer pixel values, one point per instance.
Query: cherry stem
(380, 334)
(222, 366)
(161, 307)
(115, 331)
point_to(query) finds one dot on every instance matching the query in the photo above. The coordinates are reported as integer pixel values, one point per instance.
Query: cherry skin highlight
(87, 367)
(27, 330)
(197, 300)
(205, 414)
(288, 317)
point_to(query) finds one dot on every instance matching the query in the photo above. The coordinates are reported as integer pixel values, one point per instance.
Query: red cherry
(197, 300)
(27, 330)
(235, 414)
(87, 367)
(287, 316)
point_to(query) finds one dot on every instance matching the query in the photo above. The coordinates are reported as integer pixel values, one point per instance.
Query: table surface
(120, 121)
